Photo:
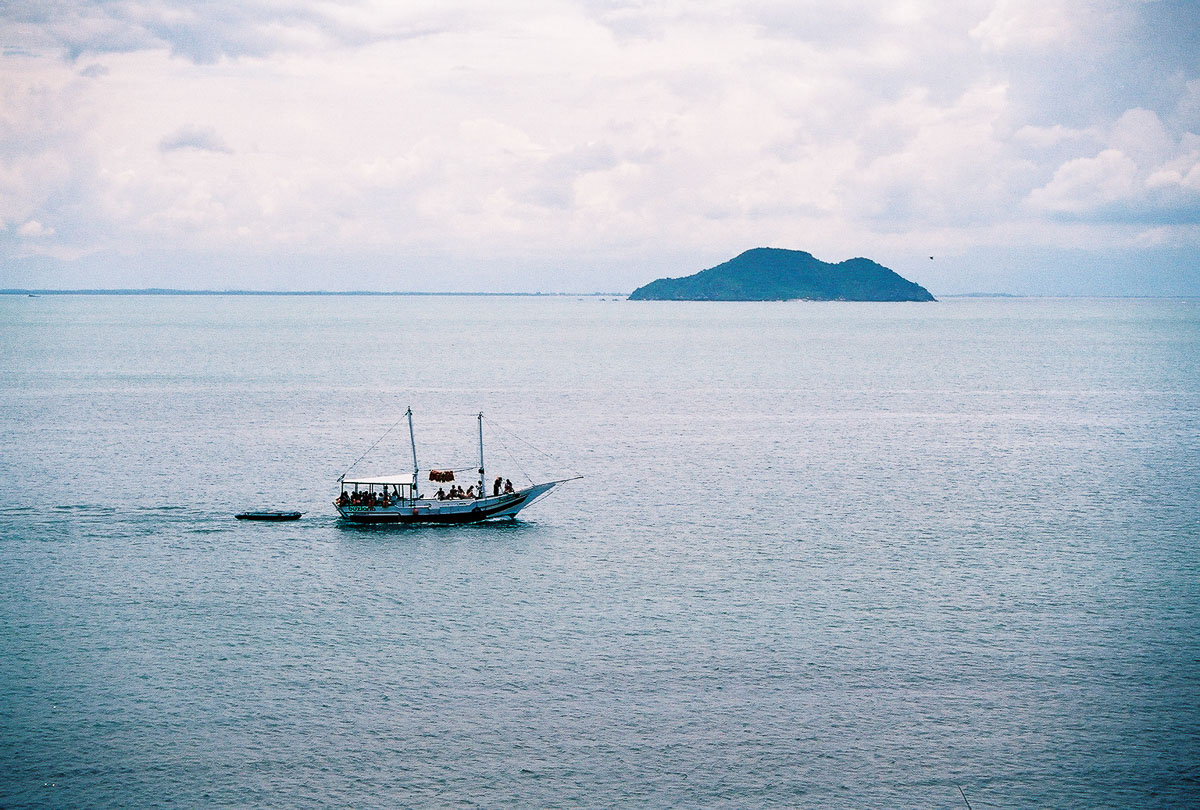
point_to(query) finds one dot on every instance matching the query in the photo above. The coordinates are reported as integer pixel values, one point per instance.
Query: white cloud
(1041, 138)
(1025, 24)
(1085, 184)
(34, 230)
(1183, 173)
(204, 139)
(1140, 134)
(1145, 174)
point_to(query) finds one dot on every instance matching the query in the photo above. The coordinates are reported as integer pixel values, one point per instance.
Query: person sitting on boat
(470, 493)
(496, 486)
(383, 501)
(343, 499)
(508, 487)
(441, 494)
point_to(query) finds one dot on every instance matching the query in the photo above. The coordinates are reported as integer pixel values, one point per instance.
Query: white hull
(459, 510)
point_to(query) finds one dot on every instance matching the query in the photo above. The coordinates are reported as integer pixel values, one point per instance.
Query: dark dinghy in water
(268, 515)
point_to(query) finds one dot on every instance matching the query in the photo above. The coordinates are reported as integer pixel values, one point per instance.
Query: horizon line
(174, 291)
(167, 291)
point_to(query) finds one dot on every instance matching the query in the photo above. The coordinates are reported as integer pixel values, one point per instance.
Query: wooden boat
(398, 499)
(268, 515)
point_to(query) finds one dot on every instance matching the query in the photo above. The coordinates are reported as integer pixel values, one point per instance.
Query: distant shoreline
(368, 293)
(166, 291)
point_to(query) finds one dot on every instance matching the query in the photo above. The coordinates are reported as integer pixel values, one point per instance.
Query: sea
(821, 555)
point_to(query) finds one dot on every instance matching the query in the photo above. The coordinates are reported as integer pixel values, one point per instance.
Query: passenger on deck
(343, 499)
(470, 492)
(441, 494)
(496, 486)
(508, 487)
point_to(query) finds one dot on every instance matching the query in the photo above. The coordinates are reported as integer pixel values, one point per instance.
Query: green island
(774, 274)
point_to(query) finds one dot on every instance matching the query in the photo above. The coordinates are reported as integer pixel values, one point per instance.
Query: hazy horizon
(1042, 147)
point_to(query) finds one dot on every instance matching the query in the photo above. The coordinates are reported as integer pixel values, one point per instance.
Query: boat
(398, 498)
(268, 515)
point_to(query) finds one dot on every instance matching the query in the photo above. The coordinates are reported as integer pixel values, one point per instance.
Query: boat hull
(430, 511)
(268, 515)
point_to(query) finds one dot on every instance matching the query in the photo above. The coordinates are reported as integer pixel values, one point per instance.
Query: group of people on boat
(458, 493)
(384, 500)
(364, 499)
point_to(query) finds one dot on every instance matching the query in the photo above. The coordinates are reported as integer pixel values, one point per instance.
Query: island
(774, 274)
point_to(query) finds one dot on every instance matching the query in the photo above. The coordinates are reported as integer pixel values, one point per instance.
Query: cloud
(1026, 24)
(1141, 134)
(535, 133)
(1144, 175)
(205, 33)
(1087, 184)
(34, 229)
(204, 139)
(1042, 138)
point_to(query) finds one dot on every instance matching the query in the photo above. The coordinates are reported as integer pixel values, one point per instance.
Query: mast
(413, 439)
(482, 491)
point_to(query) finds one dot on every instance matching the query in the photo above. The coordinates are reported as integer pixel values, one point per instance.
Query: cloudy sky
(1029, 146)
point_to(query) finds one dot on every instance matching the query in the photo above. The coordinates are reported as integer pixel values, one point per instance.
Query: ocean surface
(822, 555)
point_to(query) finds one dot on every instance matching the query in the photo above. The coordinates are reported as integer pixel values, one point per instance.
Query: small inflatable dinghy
(268, 515)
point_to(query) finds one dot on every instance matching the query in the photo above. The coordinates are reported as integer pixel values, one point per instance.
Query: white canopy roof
(398, 478)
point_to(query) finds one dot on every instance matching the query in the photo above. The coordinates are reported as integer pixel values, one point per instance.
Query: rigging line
(493, 422)
(513, 459)
(372, 447)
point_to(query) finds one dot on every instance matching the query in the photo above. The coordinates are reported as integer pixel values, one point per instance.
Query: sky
(1046, 147)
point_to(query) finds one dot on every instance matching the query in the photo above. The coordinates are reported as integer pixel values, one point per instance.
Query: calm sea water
(824, 555)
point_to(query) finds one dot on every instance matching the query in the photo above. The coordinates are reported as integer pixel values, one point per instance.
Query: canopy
(399, 478)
